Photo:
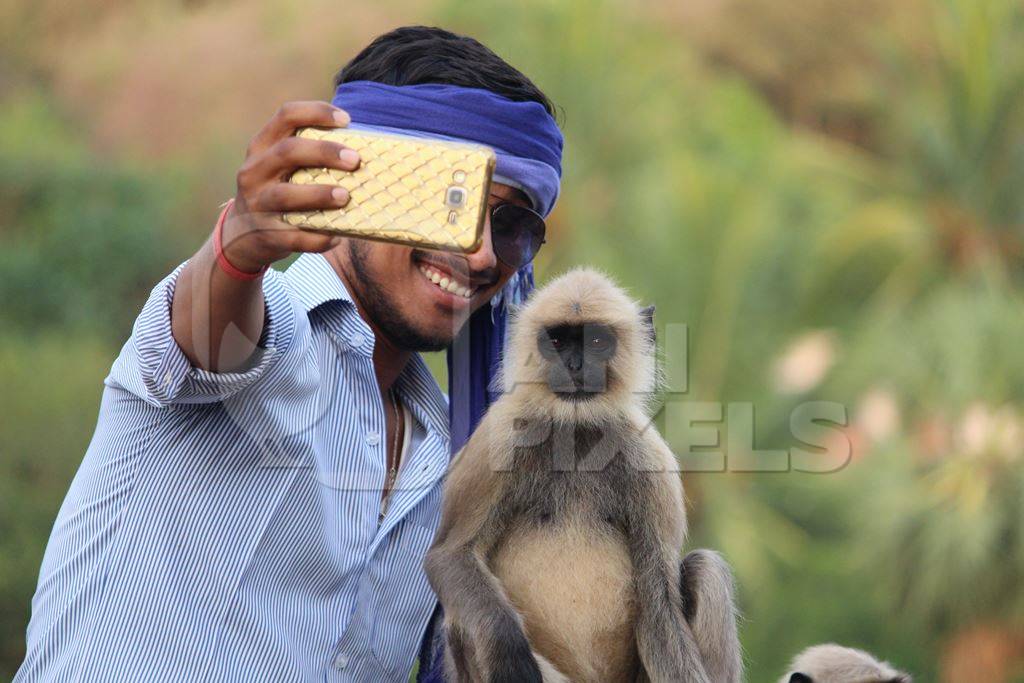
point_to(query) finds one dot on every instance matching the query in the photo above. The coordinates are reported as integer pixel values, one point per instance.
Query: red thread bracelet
(218, 248)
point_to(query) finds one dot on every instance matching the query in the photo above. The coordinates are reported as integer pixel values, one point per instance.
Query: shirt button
(356, 340)
(372, 438)
(341, 661)
(168, 378)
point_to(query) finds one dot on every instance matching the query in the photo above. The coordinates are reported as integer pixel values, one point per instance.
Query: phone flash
(459, 177)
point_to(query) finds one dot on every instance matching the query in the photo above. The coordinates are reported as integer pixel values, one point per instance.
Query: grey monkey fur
(558, 554)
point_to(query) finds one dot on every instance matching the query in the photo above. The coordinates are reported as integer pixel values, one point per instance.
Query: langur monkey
(558, 553)
(836, 664)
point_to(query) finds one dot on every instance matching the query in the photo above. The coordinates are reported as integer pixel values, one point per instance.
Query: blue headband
(524, 136)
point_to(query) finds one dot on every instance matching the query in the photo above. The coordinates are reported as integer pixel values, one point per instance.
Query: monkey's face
(580, 349)
(577, 356)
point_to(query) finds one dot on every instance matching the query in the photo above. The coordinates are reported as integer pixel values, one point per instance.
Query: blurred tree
(80, 242)
(817, 62)
(47, 414)
(958, 132)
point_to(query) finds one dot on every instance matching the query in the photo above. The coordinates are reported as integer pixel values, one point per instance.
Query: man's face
(420, 299)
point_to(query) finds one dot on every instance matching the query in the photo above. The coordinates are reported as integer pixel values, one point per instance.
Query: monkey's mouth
(577, 387)
(577, 395)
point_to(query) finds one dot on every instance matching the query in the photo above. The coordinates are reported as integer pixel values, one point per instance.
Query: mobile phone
(426, 193)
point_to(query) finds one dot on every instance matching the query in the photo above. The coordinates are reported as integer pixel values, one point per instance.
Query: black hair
(424, 54)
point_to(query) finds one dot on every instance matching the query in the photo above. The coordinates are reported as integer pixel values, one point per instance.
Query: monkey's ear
(800, 678)
(647, 316)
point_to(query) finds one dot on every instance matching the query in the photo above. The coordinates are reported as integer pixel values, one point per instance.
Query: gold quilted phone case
(425, 193)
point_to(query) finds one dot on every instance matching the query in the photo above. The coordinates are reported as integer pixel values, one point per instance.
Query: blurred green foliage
(81, 239)
(828, 194)
(52, 392)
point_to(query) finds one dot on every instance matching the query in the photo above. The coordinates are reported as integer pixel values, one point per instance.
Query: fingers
(257, 235)
(280, 197)
(311, 241)
(273, 154)
(284, 156)
(294, 115)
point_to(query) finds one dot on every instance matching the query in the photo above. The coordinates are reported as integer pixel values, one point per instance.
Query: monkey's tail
(710, 598)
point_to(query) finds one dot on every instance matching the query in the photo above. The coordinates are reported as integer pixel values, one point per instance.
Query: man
(265, 476)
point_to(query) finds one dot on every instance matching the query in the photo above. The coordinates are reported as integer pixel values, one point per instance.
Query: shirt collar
(315, 282)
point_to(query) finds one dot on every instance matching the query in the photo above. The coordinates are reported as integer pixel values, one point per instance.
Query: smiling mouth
(445, 281)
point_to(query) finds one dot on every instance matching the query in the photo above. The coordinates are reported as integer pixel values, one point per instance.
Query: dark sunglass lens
(516, 234)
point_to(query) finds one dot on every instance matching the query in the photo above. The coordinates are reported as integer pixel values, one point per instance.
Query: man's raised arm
(217, 317)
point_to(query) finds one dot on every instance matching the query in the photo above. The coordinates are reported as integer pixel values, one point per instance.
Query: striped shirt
(225, 526)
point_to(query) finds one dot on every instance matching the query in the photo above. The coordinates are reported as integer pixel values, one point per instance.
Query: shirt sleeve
(153, 366)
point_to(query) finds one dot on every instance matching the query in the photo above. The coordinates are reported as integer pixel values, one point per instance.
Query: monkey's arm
(474, 517)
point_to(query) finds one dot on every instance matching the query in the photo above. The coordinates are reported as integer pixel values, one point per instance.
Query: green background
(828, 194)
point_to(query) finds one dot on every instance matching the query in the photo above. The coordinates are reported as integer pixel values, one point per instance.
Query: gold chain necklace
(396, 450)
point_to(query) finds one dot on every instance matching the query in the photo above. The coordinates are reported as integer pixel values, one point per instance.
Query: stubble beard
(384, 315)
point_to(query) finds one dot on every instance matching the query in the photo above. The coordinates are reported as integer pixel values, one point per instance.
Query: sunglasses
(516, 234)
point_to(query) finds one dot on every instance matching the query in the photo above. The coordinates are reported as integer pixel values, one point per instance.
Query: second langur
(831, 663)
(558, 554)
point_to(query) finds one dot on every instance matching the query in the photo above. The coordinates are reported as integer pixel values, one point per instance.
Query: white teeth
(445, 283)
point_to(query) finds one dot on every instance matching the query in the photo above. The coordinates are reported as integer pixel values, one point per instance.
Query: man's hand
(254, 236)
(217, 319)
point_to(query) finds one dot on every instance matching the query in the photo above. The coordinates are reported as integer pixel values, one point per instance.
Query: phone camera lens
(455, 197)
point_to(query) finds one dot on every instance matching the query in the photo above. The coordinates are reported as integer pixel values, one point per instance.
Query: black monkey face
(578, 358)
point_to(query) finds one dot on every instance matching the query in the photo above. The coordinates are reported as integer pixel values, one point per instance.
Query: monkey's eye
(598, 340)
(550, 343)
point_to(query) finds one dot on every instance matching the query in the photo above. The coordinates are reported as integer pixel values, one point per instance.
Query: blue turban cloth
(528, 145)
